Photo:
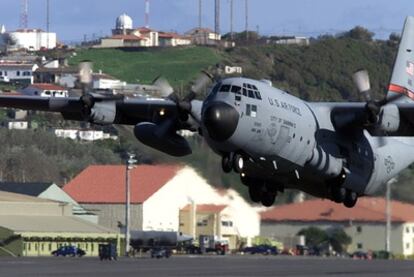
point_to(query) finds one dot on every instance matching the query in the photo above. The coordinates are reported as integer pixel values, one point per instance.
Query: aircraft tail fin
(402, 79)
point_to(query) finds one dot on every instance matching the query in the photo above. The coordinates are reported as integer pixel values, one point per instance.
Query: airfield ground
(204, 266)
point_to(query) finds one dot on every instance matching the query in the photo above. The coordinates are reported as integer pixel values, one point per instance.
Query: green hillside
(178, 65)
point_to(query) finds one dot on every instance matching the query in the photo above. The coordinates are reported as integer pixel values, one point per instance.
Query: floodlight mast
(129, 165)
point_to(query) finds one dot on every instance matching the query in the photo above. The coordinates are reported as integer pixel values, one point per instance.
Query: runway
(204, 266)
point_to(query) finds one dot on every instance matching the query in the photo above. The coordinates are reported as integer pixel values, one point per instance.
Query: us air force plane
(275, 141)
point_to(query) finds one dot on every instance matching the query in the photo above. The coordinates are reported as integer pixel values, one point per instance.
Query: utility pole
(217, 17)
(129, 165)
(147, 12)
(388, 212)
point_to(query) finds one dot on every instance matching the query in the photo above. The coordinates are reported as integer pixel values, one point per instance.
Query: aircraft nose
(220, 120)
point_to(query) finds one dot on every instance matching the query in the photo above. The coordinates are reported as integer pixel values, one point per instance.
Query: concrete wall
(110, 214)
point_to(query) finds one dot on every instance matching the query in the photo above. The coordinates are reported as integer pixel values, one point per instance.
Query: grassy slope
(178, 65)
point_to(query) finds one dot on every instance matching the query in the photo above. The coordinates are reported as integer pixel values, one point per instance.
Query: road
(204, 266)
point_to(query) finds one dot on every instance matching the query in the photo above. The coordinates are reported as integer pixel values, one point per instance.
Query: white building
(17, 125)
(158, 193)
(18, 72)
(203, 36)
(45, 90)
(32, 39)
(173, 39)
(84, 134)
(365, 223)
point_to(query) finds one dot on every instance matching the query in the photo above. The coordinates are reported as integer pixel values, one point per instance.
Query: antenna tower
(147, 12)
(24, 14)
(217, 17)
(200, 13)
(247, 20)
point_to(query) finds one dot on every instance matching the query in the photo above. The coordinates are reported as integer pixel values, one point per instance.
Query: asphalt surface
(204, 266)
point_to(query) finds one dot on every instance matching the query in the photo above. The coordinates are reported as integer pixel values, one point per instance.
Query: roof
(172, 35)
(32, 189)
(106, 183)
(28, 66)
(145, 30)
(64, 224)
(367, 209)
(127, 37)
(61, 70)
(15, 197)
(45, 86)
(207, 208)
(200, 30)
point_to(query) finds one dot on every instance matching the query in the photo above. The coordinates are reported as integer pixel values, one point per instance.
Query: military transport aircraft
(274, 140)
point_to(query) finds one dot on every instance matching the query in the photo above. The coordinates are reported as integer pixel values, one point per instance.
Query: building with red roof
(365, 223)
(159, 196)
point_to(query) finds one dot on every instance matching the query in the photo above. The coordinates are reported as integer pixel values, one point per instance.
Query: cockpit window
(236, 89)
(251, 91)
(225, 88)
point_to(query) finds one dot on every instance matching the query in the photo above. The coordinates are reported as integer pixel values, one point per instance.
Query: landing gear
(351, 198)
(338, 193)
(259, 191)
(227, 162)
(238, 163)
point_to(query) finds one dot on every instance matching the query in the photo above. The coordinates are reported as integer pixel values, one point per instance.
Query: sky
(73, 19)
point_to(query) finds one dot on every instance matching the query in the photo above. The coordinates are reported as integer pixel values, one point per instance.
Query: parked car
(262, 249)
(360, 255)
(68, 250)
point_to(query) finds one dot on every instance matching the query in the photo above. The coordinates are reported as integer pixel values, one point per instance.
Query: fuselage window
(244, 92)
(249, 86)
(225, 88)
(251, 110)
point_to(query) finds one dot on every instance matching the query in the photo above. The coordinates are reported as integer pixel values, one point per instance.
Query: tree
(338, 239)
(359, 33)
(314, 236)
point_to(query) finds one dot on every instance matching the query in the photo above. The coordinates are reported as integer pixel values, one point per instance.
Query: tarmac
(248, 265)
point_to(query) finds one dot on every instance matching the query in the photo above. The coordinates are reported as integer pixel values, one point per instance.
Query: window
(254, 111)
(359, 229)
(236, 89)
(202, 223)
(258, 96)
(29, 246)
(244, 92)
(225, 88)
(359, 245)
(27, 73)
(91, 247)
(407, 229)
(251, 93)
(50, 247)
(17, 73)
(5, 73)
(407, 245)
(227, 223)
(251, 110)
(1, 73)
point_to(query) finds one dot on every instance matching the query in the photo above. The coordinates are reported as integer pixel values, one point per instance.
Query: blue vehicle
(261, 249)
(68, 250)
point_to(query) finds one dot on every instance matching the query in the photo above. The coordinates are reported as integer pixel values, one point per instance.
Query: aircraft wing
(349, 117)
(97, 109)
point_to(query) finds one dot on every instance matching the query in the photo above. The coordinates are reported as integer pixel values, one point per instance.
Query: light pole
(129, 165)
(388, 215)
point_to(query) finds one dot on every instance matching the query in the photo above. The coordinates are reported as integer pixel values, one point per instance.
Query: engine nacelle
(103, 112)
(157, 137)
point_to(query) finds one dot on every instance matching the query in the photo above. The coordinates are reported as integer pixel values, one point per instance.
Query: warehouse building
(158, 193)
(31, 226)
(365, 223)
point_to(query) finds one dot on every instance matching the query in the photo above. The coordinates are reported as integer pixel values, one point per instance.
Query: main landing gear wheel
(227, 162)
(338, 194)
(238, 163)
(351, 198)
(268, 198)
(255, 193)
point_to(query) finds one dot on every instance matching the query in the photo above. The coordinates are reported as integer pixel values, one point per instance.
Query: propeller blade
(203, 80)
(361, 80)
(85, 75)
(163, 85)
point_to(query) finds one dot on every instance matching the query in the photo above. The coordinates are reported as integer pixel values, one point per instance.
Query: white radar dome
(123, 22)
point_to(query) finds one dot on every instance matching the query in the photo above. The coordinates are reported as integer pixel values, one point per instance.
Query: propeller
(163, 86)
(372, 107)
